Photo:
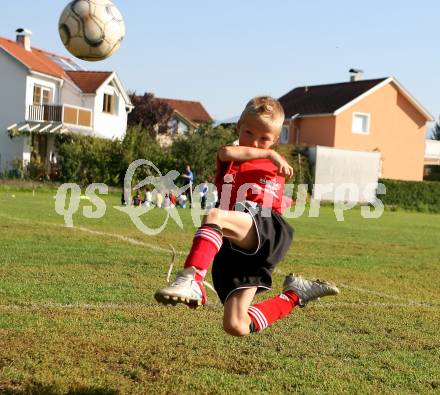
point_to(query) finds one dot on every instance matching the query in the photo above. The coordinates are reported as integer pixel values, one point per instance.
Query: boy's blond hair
(266, 108)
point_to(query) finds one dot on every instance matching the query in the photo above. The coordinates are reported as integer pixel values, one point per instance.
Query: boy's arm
(241, 153)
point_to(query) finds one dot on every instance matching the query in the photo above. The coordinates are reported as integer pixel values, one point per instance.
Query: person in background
(137, 200)
(172, 199)
(166, 201)
(188, 179)
(182, 200)
(203, 194)
(148, 198)
(159, 199)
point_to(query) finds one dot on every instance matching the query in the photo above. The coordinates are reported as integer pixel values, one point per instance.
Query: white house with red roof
(43, 94)
(187, 116)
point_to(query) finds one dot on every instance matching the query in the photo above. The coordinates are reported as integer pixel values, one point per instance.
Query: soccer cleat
(308, 290)
(185, 289)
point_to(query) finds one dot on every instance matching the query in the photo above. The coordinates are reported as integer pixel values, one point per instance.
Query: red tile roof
(40, 61)
(36, 60)
(192, 110)
(324, 99)
(88, 81)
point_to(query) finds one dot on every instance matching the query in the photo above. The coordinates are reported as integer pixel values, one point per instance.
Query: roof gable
(89, 81)
(324, 99)
(191, 110)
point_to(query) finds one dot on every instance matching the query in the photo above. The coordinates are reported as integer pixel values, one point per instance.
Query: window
(108, 104)
(46, 96)
(284, 136)
(172, 125)
(41, 96)
(37, 96)
(182, 128)
(361, 123)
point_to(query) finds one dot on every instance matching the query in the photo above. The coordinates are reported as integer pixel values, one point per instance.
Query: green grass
(77, 314)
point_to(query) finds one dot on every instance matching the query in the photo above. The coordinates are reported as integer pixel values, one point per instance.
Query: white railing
(432, 149)
(44, 113)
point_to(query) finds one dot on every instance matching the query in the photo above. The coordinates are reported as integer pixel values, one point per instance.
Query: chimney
(24, 38)
(356, 75)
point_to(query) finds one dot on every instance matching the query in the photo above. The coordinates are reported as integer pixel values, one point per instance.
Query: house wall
(71, 95)
(397, 130)
(313, 131)
(112, 126)
(12, 107)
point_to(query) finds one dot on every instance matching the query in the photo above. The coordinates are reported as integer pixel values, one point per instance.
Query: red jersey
(254, 180)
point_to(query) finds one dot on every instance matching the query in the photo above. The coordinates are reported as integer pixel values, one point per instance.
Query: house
(187, 115)
(44, 93)
(361, 115)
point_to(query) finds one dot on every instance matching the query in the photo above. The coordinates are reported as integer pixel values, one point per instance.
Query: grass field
(77, 314)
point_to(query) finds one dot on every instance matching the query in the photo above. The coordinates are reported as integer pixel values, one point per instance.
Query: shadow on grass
(41, 389)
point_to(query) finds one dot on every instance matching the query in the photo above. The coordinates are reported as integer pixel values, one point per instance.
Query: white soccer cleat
(185, 289)
(308, 290)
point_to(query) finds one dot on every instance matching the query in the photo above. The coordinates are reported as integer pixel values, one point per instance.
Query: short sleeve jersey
(254, 180)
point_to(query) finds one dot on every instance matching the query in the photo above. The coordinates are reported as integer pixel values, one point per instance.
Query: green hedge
(412, 195)
(84, 159)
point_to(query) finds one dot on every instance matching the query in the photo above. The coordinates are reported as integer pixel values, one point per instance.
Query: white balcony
(66, 114)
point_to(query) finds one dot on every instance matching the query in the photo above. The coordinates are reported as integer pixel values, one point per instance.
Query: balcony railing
(45, 113)
(66, 114)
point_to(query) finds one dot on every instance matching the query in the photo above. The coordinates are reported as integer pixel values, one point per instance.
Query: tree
(149, 113)
(436, 131)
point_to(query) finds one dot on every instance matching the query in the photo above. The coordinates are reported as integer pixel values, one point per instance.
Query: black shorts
(235, 269)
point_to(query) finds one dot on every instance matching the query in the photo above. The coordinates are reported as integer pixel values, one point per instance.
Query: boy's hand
(283, 166)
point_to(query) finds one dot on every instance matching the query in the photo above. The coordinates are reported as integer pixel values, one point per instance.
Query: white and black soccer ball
(91, 29)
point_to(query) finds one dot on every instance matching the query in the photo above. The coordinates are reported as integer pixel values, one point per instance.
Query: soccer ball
(91, 29)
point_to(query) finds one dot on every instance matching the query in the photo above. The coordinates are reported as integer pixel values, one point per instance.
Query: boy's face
(253, 132)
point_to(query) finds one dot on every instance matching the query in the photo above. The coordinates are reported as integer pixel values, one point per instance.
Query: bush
(85, 159)
(412, 195)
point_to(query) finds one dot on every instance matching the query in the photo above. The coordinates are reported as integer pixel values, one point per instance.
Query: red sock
(265, 313)
(206, 243)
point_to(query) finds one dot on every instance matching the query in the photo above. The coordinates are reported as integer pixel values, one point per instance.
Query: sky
(222, 53)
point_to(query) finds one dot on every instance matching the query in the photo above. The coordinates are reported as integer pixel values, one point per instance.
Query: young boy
(246, 235)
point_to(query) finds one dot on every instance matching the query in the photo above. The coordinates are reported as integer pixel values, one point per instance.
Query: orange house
(362, 115)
